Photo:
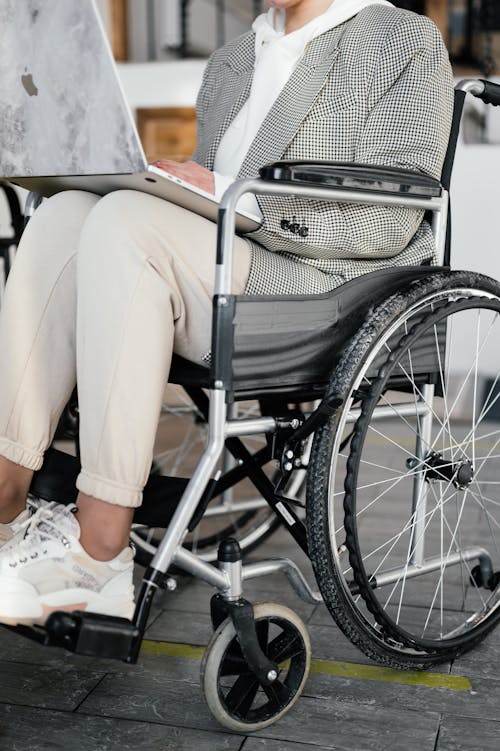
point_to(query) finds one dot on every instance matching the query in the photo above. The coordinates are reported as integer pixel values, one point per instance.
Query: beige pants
(101, 292)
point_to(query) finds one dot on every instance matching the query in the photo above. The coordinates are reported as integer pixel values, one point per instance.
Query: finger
(167, 164)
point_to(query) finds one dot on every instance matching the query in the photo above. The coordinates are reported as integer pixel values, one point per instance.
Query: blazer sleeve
(408, 118)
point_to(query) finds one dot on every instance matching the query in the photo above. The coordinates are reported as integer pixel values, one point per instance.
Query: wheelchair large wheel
(241, 513)
(233, 693)
(403, 504)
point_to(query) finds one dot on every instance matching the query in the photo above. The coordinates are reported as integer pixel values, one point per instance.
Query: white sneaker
(14, 531)
(10, 530)
(49, 570)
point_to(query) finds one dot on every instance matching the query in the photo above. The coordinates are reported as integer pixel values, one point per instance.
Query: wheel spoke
(234, 666)
(490, 518)
(234, 663)
(408, 526)
(240, 697)
(284, 647)
(278, 694)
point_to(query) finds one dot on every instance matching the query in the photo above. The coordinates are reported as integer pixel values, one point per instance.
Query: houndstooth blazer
(377, 89)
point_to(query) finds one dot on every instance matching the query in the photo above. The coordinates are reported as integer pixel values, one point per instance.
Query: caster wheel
(233, 693)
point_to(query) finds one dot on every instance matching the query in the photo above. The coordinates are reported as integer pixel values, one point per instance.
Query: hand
(191, 172)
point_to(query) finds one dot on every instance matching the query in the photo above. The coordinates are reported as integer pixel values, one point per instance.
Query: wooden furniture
(167, 132)
(118, 16)
(437, 10)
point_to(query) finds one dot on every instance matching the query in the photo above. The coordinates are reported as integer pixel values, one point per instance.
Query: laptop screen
(62, 109)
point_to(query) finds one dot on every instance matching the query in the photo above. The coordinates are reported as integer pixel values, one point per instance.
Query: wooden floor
(54, 701)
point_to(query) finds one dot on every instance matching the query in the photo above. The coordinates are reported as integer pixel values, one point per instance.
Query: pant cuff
(108, 491)
(20, 454)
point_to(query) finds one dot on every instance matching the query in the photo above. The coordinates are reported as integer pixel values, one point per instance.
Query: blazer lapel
(237, 84)
(294, 102)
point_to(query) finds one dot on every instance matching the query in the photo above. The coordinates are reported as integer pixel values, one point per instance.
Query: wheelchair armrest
(350, 176)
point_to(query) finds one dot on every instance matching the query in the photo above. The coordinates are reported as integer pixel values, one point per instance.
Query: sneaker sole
(34, 611)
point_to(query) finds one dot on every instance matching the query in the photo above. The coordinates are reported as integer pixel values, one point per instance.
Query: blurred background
(187, 31)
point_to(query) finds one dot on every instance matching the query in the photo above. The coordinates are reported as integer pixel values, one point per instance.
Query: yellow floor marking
(172, 649)
(389, 675)
(331, 667)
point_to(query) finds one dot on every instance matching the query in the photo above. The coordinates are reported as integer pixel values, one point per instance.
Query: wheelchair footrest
(92, 634)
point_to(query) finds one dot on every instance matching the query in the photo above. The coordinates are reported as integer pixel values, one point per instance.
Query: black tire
(362, 531)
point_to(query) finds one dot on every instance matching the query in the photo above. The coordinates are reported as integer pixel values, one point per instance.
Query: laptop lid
(62, 108)
(64, 120)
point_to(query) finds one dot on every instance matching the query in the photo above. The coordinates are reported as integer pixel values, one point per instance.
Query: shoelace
(38, 529)
(16, 538)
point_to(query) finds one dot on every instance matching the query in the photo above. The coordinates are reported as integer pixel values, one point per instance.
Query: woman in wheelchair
(103, 290)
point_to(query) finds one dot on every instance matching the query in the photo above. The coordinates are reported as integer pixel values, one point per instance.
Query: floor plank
(458, 734)
(23, 729)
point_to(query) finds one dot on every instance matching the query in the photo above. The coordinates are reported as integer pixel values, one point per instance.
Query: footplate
(92, 634)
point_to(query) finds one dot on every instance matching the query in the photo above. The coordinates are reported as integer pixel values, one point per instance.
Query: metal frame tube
(250, 426)
(203, 473)
(235, 507)
(471, 86)
(196, 566)
(439, 226)
(33, 201)
(434, 564)
(420, 489)
(408, 409)
(228, 461)
(292, 572)
(232, 570)
(226, 581)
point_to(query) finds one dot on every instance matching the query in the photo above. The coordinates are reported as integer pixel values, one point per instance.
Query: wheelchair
(16, 223)
(386, 393)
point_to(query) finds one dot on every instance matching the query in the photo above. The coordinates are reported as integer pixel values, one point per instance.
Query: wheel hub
(464, 475)
(439, 469)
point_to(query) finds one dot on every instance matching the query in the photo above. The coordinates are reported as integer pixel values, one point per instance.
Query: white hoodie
(276, 56)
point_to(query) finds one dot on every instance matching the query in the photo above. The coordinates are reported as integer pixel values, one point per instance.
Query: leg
(15, 481)
(37, 342)
(147, 270)
(153, 258)
(145, 280)
(104, 527)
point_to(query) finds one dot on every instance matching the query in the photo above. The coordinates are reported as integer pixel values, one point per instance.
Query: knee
(114, 211)
(111, 224)
(55, 227)
(67, 207)
(124, 227)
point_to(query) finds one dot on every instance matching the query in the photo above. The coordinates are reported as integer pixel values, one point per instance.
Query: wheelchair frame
(87, 633)
(221, 428)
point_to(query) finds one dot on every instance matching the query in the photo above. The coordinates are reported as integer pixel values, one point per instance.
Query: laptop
(64, 120)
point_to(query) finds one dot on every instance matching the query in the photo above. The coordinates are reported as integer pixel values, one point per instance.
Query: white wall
(475, 205)
(475, 209)
(161, 84)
